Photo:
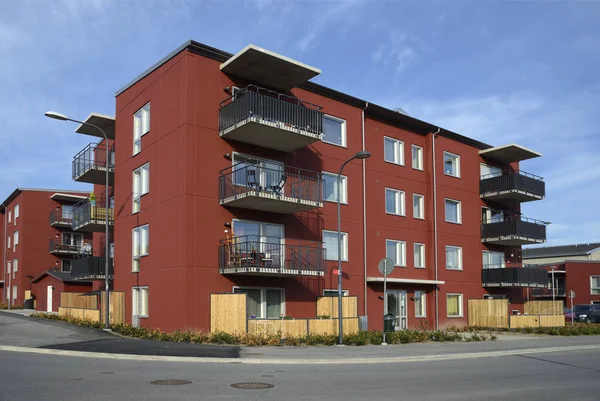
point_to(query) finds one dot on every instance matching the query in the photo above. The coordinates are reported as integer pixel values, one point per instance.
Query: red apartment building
(225, 181)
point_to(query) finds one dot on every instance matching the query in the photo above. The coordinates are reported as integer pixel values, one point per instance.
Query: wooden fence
(301, 327)
(116, 312)
(81, 313)
(328, 306)
(75, 304)
(487, 312)
(521, 321)
(228, 313)
(78, 300)
(543, 308)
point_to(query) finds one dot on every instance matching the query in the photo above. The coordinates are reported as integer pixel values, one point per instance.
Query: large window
(66, 265)
(417, 157)
(595, 285)
(330, 239)
(491, 215)
(487, 171)
(16, 213)
(257, 173)
(141, 185)
(140, 245)
(10, 216)
(15, 238)
(330, 188)
(393, 150)
(394, 201)
(15, 267)
(453, 212)
(266, 303)
(73, 239)
(418, 206)
(493, 260)
(451, 164)
(334, 130)
(396, 250)
(14, 293)
(140, 302)
(420, 304)
(454, 305)
(454, 258)
(419, 255)
(141, 126)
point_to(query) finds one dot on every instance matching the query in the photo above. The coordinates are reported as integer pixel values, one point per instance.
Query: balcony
(269, 256)
(559, 292)
(517, 186)
(498, 276)
(269, 119)
(90, 218)
(91, 267)
(89, 165)
(61, 218)
(513, 231)
(56, 247)
(278, 189)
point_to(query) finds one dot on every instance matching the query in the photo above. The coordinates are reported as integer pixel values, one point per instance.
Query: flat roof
(102, 121)
(18, 191)
(66, 197)
(509, 153)
(404, 280)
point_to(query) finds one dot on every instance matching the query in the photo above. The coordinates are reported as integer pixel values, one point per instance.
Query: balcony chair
(251, 180)
(276, 189)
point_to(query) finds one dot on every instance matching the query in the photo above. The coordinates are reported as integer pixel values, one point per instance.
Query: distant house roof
(60, 276)
(18, 191)
(560, 250)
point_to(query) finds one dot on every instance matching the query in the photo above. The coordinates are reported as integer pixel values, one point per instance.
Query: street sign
(572, 294)
(386, 266)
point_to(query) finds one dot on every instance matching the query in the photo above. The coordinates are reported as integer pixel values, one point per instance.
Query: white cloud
(399, 51)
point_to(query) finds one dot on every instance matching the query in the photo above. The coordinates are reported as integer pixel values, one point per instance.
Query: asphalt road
(551, 376)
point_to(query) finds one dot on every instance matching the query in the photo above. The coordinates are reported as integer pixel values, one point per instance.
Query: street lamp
(62, 117)
(363, 154)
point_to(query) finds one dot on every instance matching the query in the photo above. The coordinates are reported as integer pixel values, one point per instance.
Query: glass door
(493, 260)
(396, 305)
(491, 215)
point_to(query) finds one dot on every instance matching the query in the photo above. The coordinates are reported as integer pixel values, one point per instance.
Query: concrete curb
(291, 361)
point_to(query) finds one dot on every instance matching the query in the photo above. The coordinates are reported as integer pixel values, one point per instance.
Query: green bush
(5, 306)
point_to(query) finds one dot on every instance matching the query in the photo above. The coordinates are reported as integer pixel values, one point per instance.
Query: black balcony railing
(91, 267)
(58, 246)
(278, 182)
(60, 216)
(270, 255)
(93, 156)
(94, 212)
(270, 107)
(514, 227)
(498, 276)
(559, 291)
(513, 180)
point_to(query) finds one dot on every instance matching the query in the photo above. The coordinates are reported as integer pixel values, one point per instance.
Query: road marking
(291, 361)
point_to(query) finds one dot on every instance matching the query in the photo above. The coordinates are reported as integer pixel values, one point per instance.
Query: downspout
(364, 182)
(435, 231)
(6, 275)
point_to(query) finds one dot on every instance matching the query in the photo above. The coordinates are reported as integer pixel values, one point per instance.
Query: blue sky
(500, 72)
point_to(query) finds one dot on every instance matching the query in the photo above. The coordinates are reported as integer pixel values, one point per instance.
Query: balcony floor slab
(269, 271)
(270, 202)
(511, 195)
(95, 175)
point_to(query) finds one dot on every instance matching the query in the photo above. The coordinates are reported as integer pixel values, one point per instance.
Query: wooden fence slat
(543, 308)
(116, 307)
(328, 306)
(487, 312)
(77, 300)
(81, 313)
(228, 313)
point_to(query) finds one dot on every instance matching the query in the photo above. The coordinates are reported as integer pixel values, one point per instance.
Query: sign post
(572, 295)
(386, 266)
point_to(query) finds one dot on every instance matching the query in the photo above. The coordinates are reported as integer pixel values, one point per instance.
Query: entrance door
(396, 305)
(49, 299)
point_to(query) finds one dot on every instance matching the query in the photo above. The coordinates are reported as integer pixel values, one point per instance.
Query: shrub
(220, 337)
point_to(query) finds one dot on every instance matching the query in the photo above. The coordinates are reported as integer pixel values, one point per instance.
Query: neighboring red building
(48, 286)
(223, 185)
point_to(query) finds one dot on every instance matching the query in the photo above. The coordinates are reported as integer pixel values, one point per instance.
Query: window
(8, 240)
(8, 267)
(262, 174)
(418, 206)
(66, 265)
(74, 239)
(14, 292)
(396, 250)
(15, 238)
(487, 171)
(334, 293)
(453, 212)
(15, 267)
(330, 188)
(493, 260)
(141, 185)
(453, 258)
(394, 202)
(417, 157)
(265, 303)
(139, 245)
(595, 285)
(330, 239)
(491, 216)
(10, 216)
(334, 131)
(140, 301)
(16, 213)
(419, 255)
(141, 126)
(454, 305)
(451, 164)
(393, 150)
(7, 294)
(420, 304)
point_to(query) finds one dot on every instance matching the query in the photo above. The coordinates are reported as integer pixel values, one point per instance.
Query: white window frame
(460, 258)
(419, 150)
(15, 291)
(592, 288)
(15, 239)
(398, 150)
(345, 293)
(141, 126)
(458, 211)
(400, 202)
(17, 214)
(263, 298)
(422, 206)
(457, 164)
(10, 216)
(421, 264)
(139, 176)
(8, 241)
(422, 295)
(9, 267)
(460, 305)
(400, 251)
(15, 268)
(344, 185)
(344, 252)
(136, 301)
(136, 244)
(344, 133)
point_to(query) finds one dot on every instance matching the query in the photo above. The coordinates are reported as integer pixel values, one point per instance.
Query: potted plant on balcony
(92, 199)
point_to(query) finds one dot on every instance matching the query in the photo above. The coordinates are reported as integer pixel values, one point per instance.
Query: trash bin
(388, 322)
(28, 304)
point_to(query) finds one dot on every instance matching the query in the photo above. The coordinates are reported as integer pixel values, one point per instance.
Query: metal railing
(59, 216)
(92, 156)
(271, 252)
(56, 245)
(88, 212)
(513, 276)
(91, 267)
(514, 226)
(252, 175)
(270, 107)
(559, 291)
(512, 180)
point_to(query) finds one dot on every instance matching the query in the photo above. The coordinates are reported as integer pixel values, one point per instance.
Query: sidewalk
(22, 312)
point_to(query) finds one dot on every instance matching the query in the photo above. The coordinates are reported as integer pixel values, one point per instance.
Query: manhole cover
(107, 373)
(268, 376)
(170, 382)
(252, 386)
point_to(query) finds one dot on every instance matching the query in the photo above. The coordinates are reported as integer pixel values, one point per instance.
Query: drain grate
(170, 382)
(252, 386)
